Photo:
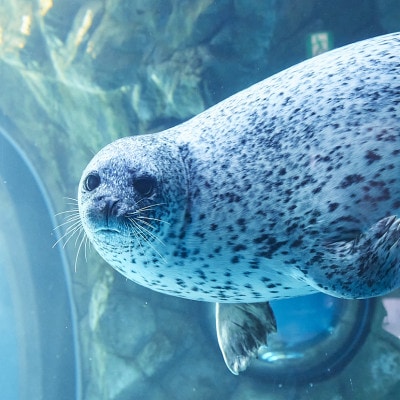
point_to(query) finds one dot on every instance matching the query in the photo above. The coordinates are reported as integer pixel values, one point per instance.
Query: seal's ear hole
(144, 185)
(92, 181)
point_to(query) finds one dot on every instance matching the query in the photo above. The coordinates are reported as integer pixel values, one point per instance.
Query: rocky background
(77, 74)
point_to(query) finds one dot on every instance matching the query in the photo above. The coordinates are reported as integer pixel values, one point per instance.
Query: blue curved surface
(54, 348)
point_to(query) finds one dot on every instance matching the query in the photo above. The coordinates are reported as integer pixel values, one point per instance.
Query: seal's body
(289, 187)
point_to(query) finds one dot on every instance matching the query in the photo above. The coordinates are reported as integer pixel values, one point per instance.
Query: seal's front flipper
(365, 267)
(241, 330)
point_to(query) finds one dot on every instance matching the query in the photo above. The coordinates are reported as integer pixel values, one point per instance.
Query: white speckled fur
(280, 190)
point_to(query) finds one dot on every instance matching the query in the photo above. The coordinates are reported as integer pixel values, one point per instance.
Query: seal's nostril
(111, 208)
(114, 207)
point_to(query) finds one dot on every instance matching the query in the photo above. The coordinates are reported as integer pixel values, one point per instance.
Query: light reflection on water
(391, 323)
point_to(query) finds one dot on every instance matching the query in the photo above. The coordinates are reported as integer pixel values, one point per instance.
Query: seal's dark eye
(144, 185)
(92, 181)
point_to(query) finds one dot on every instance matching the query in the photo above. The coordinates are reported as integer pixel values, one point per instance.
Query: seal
(287, 188)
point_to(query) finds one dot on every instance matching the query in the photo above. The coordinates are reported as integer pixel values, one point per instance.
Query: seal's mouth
(112, 230)
(107, 230)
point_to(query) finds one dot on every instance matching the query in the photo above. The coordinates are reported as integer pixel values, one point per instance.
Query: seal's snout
(112, 212)
(111, 208)
(106, 212)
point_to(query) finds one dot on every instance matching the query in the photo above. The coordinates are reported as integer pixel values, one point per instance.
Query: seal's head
(129, 196)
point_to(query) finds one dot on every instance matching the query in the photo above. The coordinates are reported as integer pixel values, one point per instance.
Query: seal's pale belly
(281, 190)
(209, 277)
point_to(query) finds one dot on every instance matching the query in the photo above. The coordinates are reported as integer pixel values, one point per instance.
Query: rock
(126, 325)
(389, 14)
(76, 75)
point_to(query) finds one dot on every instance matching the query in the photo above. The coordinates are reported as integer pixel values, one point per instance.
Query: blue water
(305, 318)
(78, 74)
(9, 381)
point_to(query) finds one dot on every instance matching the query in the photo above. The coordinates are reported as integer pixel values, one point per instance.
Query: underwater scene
(279, 204)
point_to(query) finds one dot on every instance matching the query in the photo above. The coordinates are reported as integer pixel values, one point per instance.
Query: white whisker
(139, 235)
(72, 211)
(146, 208)
(87, 246)
(80, 246)
(142, 217)
(74, 228)
(81, 232)
(138, 202)
(69, 233)
(144, 232)
(73, 219)
(148, 232)
(72, 199)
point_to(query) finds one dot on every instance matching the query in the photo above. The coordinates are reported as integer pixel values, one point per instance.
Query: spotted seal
(287, 188)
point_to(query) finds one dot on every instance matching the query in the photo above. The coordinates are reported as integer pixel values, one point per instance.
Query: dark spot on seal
(213, 227)
(372, 156)
(239, 247)
(297, 243)
(200, 234)
(351, 180)
(180, 282)
(201, 274)
(235, 260)
(261, 239)
(333, 206)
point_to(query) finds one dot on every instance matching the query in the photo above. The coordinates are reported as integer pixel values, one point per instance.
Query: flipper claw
(241, 330)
